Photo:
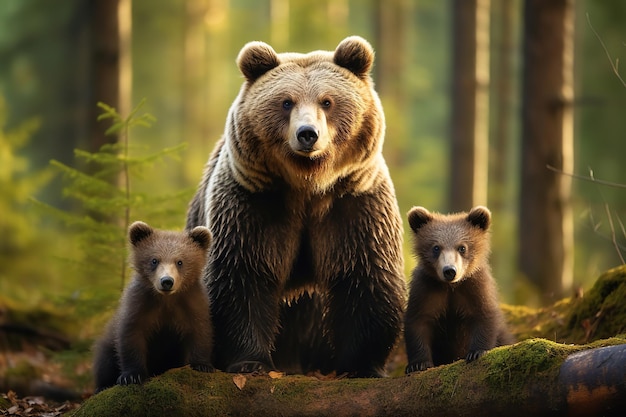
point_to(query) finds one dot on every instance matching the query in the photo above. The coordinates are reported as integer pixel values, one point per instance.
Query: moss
(599, 314)
(505, 376)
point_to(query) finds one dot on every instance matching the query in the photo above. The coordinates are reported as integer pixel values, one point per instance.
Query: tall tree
(546, 226)
(105, 66)
(470, 104)
(502, 83)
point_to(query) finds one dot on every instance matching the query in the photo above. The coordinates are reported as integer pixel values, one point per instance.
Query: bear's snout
(449, 272)
(166, 283)
(307, 136)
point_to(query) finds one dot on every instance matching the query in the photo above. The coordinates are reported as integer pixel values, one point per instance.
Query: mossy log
(534, 377)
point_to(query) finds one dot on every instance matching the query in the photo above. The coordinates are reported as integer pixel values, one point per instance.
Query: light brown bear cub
(163, 320)
(453, 309)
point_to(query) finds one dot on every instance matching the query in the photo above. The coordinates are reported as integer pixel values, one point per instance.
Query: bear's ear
(201, 236)
(138, 231)
(418, 217)
(356, 55)
(255, 59)
(480, 216)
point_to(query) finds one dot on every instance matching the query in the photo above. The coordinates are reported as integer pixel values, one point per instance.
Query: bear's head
(308, 119)
(453, 246)
(168, 261)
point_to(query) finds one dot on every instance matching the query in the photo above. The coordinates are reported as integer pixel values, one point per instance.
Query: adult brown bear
(306, 269)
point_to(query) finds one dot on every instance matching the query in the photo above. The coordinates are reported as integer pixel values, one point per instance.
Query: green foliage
(106, 203)
(22, 235)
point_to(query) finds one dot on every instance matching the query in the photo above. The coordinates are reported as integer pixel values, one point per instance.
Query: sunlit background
(58, 59)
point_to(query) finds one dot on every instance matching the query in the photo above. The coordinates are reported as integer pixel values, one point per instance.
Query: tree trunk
(535, 377)
(470, 104)
(546, 229)
(502, 138)
(106, 67)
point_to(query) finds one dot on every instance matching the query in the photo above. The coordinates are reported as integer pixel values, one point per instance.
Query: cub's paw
(128, 378)
(474, 354)
(202, 367)
(418, 366)
(247, 367)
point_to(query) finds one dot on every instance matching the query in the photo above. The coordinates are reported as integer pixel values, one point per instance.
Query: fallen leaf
(276, 375)
(240, 381)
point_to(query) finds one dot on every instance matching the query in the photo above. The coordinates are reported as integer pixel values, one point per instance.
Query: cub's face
(305, 116)
(452, 246)
(168, 261)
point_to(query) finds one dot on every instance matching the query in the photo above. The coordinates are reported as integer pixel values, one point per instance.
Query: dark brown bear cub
(453, 309)
(163, 320)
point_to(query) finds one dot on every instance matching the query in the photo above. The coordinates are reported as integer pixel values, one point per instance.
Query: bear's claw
(202, 367)
(128, 378)
(418, 366)
(474, 354)
(247, 367)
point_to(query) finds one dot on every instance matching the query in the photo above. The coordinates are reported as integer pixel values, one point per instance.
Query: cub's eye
(154, 262)
(179, 263)
(326, 104)
(287, 104)
(462, 249)
(436, 250)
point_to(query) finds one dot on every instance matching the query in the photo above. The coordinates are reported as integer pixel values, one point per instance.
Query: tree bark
(106, 67)
(535, 377)
(546, 226)
(470, 104)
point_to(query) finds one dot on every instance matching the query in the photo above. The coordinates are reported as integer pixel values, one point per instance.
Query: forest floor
(44, 372)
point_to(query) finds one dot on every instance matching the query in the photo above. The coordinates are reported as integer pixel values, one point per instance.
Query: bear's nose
(167, 283)
(449, 272)
(307, 136)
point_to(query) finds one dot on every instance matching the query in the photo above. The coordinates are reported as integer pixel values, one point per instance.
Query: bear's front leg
(133, 368)
(131, 347)
(365, 322)
(418, 337)
(245, 313)
(358, 248)
(483, 338)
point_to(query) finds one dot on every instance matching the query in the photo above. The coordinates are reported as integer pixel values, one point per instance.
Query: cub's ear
(418, 217)
(480, 216)
(255, 59)
(138, 231)
(356, 55)
(201, 236)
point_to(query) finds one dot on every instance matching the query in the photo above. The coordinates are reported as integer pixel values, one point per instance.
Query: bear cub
(453, 310)
(163, 320)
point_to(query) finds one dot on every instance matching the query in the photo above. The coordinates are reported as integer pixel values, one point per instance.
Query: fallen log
(534, 377)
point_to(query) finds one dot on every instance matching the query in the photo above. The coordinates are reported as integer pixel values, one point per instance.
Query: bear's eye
(462, 249)
(326, 103)
(154, 262)
(287, 104)
(179, 263)
(436, 250)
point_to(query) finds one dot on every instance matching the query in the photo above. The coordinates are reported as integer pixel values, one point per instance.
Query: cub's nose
(167, 283)
(307, 136)
(449, 272)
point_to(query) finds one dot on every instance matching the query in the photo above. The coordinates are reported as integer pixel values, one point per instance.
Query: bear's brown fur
(306, 269)
(453, 309)
(163, 320)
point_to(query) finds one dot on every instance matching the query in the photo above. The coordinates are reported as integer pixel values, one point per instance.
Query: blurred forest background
(62, 228)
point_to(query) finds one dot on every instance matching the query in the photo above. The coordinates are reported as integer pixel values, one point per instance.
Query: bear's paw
(128, 378)
(418, 366)
(202, 367)
(472, 355)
